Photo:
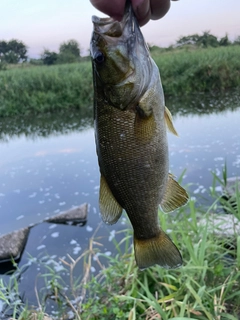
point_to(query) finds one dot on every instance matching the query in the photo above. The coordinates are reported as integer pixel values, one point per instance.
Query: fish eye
(99, 57)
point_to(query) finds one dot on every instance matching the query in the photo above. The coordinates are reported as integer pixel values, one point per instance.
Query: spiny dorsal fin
(175, 196)
(168, 120)
(109, 207)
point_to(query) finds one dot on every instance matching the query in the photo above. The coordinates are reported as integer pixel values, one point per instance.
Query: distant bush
(69, 52)
(36, 62)
(49, 57)
(3, 66)
(70, 47)
(237, 41)
(67, 57)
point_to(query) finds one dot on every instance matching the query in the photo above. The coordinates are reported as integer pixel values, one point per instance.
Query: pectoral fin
(109, 207)
(144, 107)
(175, 196)
(168, 120)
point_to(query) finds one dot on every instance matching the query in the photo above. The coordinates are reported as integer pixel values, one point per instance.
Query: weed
(44, 89)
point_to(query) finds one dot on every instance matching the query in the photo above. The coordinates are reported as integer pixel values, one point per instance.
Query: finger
(159, 8)
(150, 9)
(142, 10)
(113, 8)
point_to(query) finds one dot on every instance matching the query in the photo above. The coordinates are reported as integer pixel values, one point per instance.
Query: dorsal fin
(168, 120)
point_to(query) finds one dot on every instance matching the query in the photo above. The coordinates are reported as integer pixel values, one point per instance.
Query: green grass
(32, 90)
(206, 287)
(199, 70)
(43, 89)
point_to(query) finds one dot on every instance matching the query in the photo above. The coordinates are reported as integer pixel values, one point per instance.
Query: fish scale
(122, 161)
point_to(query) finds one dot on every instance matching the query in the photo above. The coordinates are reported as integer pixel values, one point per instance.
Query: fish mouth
(109, 28)
(119, 46)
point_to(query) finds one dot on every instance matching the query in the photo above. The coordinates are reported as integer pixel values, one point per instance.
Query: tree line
(206, 40)
(69, 52)
(15, 51)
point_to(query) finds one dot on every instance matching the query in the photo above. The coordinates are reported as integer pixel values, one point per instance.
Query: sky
(46, 24)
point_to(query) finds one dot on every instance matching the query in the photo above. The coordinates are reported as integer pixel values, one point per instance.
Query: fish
(130, 124)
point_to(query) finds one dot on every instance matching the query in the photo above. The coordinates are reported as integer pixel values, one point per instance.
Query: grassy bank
(42, 89)
(205, 288)
(199, 70)
(183, 71)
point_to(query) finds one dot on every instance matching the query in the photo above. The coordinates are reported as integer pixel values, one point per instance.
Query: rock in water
(12, 244)
(73, 216)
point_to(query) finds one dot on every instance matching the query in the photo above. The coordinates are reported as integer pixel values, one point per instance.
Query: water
(48, 164)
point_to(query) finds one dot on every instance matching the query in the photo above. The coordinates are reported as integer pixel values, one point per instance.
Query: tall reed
(42, 89)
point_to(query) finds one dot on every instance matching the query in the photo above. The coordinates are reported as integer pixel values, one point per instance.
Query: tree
(13, 51)
(237, 41)
(208, 40)
(67, 57)
(49, 57)
(224, 41)
(3, 49)
(70, 47)
(3, 66)
(191, 39)
(205, 40)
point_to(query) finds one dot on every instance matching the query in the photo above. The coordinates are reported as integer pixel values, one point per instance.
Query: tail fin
(158, 250)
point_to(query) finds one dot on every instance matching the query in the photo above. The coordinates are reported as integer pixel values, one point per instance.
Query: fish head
(121, 61)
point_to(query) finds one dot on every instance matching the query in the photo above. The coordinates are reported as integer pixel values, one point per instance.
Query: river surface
(48, 164)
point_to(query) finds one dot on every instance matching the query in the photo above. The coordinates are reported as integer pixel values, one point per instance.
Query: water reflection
(60, 123)
(45, 125)
(203, 104)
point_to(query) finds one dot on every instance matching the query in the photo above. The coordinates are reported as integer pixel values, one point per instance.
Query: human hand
(144, 9)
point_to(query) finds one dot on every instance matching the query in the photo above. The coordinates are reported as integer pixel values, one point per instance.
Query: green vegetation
(190, 70)
(187, 70)
(205, 288)
(42, 89)
(69, 52)
(205, 40)
(12, 51)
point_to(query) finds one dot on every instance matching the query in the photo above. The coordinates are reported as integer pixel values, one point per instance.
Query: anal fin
(109, 207)
(158, 250)
(175, 196)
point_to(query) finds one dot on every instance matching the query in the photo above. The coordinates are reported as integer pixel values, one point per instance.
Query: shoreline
(41, 89)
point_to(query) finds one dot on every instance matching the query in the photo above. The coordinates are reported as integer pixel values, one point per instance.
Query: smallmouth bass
(130, 120)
